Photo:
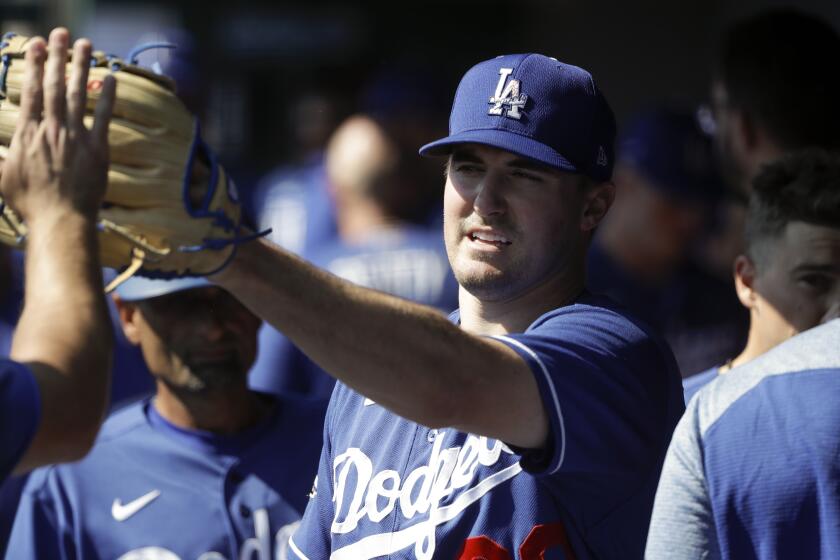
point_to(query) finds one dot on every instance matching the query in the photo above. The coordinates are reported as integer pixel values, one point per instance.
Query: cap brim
(137, 288)
(504, 140)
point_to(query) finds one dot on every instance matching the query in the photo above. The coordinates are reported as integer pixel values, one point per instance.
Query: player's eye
(528, 176)
(467, 168)
(815, 283)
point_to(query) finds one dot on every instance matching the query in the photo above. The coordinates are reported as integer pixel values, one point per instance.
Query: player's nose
(489, 198)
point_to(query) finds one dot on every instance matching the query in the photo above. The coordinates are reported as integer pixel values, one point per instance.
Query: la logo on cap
(507, 101)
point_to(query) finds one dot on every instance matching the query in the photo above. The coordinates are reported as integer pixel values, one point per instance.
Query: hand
(55, 164)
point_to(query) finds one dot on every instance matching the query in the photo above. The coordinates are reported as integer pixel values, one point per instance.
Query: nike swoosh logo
(122, 512)
(368, 402)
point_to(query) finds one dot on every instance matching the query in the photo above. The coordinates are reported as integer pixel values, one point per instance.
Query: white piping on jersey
(422, 534)
(296, 550)
(554, 398)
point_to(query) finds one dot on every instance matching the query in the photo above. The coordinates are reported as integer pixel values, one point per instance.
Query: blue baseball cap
(536, 107)
(668, 147)
(137, 288)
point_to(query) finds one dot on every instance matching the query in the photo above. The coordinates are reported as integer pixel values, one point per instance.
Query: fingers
(77, 85)
(32, 94)
(54, 79)
(104, 108)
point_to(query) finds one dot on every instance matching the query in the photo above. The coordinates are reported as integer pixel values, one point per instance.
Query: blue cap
(137, 288)
(670, 150)
(537, 107)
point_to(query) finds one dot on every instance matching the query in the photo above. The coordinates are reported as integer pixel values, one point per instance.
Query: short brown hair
(803, 186)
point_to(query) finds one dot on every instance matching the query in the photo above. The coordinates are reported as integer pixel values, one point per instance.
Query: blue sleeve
(312, 538)
(20, 413)
(42, 528)
(612, 394)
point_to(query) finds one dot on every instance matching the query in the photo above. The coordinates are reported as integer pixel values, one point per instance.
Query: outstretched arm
(403, 356)
(55, 177)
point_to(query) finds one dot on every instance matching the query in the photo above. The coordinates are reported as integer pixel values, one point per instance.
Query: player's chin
(482, 279)
(218, 374)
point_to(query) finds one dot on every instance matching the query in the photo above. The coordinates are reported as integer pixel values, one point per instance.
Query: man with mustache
(205, 468)
(531, 424)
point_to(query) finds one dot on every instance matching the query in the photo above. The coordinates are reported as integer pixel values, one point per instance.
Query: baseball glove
(170, 210)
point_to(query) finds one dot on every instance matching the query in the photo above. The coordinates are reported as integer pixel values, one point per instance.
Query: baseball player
(752, 468)
(54, 388)
(204, 469)
(763, 112)
(789, 276)
(667, 187)
(376, 248)
(533, 423)
(770, 95)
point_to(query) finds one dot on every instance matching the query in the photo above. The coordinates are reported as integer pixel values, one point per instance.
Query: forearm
(404, 356)
(64, 332)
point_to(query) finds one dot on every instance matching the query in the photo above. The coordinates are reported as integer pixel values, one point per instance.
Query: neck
(224, 411)
(757, 343)
(516, 314)
(356, 220)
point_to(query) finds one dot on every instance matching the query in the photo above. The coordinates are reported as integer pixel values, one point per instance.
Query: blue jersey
(151, 490)
(296, 204)
(753, 468)
(20, 413)
(391, 488)
(408, 262)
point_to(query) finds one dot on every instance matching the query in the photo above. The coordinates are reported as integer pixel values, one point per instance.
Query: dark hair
(781, 67)
(802, 186)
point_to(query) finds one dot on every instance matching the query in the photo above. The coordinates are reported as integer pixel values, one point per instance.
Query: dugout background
(254, 58)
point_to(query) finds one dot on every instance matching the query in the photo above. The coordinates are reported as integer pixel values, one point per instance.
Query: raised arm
(55, 176)
(403, 356)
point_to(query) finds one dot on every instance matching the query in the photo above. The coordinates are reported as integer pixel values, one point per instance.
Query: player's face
(797, 282)
(510, 224)
(198, 339)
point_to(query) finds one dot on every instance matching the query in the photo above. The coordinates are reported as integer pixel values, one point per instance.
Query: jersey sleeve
(612, 394)
(682, 525)
(311, 540)
(42, 526)
(20, 413)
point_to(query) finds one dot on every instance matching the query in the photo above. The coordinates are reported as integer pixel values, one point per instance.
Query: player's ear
(745, 273)
(597, 199)
(128, 319)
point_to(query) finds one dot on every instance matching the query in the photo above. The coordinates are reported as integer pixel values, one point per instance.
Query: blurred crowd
(356, 200)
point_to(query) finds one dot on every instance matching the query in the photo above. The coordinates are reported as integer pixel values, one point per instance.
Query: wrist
(63, 218)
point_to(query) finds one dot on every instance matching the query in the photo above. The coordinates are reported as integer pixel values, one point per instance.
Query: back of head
(803, 186)
(667, 147)
(780, 68)
(359, 155)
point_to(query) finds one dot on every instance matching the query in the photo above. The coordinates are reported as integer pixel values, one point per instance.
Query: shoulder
(784, 369)
(126, 420)
(20, 413)
(595, 322)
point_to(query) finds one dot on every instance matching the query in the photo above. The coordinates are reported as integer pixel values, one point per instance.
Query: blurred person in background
(751, 471)
(666, 186)
(205, 466)
(373, 190)
(773, 91)
(788, 277)
(293, 199)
